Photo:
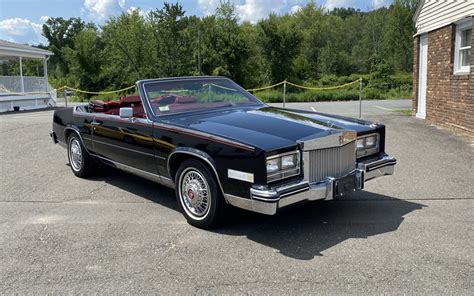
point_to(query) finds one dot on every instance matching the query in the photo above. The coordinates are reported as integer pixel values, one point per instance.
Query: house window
(462, 55)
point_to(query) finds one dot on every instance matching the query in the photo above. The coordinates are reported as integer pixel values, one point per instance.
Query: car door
(126, 141)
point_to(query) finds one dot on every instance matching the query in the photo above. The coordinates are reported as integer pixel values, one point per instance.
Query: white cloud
(104, 8)
(380, 3)
(255, 10)
(44, 18)
(21, 30)
(208, 6)
(251, 10)
(295, 8)
(142, 13)
(331, 4)
(368, 5)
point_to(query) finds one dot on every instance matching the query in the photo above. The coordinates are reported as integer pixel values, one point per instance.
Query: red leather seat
(113, 107)
(127, 101)
(136, 103)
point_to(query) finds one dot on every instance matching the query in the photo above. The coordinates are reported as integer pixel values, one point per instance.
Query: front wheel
(198, 196)
(80, 161)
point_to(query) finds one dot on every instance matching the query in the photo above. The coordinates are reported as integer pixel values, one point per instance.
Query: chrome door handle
(95, 123)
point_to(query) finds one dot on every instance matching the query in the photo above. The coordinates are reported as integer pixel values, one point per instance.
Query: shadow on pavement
(300, 232)
(304, 231)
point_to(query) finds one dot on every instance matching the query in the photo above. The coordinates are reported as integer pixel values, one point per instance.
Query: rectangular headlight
(283, 165)
(370, 142)
(367, 145)
(273, 165)
(288, 161)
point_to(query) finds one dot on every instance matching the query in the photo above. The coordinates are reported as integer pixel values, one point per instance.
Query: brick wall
(449, 98)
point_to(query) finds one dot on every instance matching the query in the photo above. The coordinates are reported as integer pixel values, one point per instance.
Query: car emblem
(346, 137)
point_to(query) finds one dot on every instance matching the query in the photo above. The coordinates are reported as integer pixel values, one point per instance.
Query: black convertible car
(218, 145)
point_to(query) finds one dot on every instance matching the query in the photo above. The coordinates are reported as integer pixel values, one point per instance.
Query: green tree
(224, 49)
(85, 60)
(174, 40)
(399, 36)
(130, 50)
(280, 41)
(60, 34)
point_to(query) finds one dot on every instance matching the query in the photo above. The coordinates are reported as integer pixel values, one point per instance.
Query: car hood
(267, 128)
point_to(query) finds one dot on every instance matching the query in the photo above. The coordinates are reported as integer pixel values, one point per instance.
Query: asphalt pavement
(411, 233)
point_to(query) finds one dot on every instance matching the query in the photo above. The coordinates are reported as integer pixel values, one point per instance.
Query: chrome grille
(331, 162)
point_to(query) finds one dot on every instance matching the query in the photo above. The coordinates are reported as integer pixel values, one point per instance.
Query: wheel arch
(180, 154)
(73, 129)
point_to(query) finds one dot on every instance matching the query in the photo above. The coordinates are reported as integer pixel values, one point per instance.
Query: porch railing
(13, 84)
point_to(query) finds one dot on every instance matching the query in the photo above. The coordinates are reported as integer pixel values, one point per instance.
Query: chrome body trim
(335, 162)
(381, 166)
(251, 204)
(240, 175)
(128, 149)
(199, 154)
(74, 129)
(268, 200)
(147, 175)
(282, 154)
(333, 139)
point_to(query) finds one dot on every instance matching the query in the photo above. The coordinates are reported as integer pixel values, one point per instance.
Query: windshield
(183, 95)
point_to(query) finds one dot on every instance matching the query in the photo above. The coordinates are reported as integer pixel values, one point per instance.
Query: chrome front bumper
(269, 200)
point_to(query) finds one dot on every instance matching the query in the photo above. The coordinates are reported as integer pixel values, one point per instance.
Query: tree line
(312, 45)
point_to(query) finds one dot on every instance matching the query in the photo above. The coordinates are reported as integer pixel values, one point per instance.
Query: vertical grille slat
(331, 162)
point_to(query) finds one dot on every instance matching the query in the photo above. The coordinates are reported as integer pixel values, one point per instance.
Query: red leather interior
(113, 107)
(174, 102)
(130, 100)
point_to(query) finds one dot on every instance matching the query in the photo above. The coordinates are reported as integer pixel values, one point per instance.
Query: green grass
(406, 112)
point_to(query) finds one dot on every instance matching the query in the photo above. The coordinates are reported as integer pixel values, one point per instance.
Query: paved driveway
(116, 233)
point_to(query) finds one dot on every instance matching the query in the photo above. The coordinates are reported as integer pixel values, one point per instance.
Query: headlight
(288, 161)
(370, 141)
(283, 166)
(273, 165)
(367, 145)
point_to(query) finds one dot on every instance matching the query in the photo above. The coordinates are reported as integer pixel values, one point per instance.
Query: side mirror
(126, 112)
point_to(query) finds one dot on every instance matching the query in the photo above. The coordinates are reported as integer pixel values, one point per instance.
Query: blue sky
(21, 20)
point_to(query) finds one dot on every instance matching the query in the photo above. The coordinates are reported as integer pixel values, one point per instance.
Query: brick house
(443, 67)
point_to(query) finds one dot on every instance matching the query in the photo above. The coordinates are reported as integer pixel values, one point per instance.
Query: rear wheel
(80, 161)
(198, 195)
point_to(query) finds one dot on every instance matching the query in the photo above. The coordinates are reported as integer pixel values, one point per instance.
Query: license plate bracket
(345, 185)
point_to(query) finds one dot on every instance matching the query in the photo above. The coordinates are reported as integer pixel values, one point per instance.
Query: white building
(20, 90)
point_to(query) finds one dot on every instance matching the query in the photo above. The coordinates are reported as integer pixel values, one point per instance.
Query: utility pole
(360, 97)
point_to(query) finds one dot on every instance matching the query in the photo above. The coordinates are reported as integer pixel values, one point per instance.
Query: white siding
(435, 14)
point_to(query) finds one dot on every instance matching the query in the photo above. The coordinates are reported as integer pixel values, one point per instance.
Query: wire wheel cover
(194, 193)
(75, 154)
